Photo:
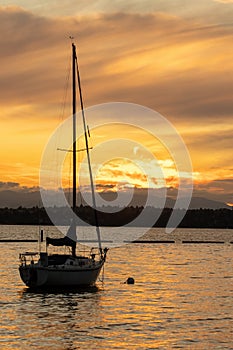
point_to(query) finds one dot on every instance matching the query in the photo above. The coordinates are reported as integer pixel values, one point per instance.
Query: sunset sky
(172, 56)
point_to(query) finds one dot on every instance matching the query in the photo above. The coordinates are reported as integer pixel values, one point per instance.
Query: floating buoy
(130, 280)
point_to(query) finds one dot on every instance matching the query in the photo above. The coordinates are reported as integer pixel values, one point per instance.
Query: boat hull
(38, 276)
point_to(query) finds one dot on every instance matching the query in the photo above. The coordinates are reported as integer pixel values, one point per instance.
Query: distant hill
(200, 202)
(15, 199)
(28, 199)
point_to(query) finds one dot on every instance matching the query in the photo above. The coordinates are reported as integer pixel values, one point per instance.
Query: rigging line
(65, 89)
(101, 279)
(88, 159)
(69, 180)
(79, 164)
(60, 119)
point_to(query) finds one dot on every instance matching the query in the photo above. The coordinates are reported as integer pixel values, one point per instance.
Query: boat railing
(88, 253)
(28, 258)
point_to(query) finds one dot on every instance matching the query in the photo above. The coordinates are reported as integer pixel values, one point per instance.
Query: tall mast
(88, 159)
(74, 58)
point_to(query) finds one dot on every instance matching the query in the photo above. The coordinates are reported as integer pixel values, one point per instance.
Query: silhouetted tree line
(198, 218)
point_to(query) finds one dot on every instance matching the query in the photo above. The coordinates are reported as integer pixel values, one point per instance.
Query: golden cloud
(178, 67)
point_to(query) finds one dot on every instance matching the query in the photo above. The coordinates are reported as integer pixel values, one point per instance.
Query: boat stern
(30, 267)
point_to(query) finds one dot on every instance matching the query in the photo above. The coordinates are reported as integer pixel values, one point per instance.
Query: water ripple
(181, 299)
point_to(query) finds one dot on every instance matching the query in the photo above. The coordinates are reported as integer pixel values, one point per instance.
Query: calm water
(182, 298)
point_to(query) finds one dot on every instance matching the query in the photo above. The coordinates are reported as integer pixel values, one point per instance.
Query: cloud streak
(184, 73)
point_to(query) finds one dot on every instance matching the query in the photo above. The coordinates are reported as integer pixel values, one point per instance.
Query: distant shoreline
(194, 218)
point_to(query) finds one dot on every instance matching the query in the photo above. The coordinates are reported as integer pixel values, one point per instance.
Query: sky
(172, 56)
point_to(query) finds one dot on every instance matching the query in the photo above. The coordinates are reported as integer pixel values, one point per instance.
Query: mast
(88, 159)
(74, 58)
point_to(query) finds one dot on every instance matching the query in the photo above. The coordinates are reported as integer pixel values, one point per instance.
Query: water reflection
(182, 298)
(58, 290)
(58, 315)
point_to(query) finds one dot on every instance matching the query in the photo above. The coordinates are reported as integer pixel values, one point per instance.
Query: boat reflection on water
(60, 290)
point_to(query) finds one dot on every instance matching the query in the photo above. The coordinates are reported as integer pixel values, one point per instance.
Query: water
(181, 299)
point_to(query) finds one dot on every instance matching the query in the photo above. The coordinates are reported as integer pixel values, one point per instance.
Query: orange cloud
(178, 67)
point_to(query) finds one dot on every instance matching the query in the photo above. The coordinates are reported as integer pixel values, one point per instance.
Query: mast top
(72, 42)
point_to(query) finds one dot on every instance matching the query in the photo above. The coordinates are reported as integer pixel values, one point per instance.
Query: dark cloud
(34, 58)
(224, 181)
(15, 186)
(104, 187)
(220, 138)
(208, 11)
(8, 185)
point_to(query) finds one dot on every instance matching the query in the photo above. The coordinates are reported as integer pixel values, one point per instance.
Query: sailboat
(75, 269)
